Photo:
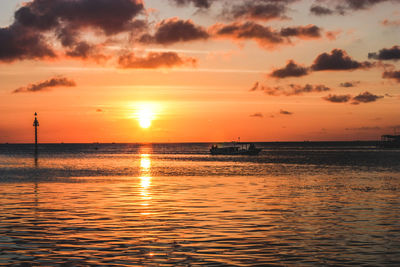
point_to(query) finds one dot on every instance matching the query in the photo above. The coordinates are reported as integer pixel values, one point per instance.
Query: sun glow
(145, 114)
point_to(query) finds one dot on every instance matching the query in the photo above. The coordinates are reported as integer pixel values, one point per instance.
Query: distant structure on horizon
(36, 124)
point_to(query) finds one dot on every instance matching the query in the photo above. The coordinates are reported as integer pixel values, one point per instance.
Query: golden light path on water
(145, 181)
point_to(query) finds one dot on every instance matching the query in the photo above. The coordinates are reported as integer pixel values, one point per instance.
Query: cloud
(154, 60)
(284, 112)
(308, 88)
(349, 84)
(196, 3)
(273, 91)
(395, 75)
(110, 16)
(19, 43)
(290, 70)
(387, 22)
(309, 31)
(46, 85)
(333, 35)
(257, 115)
(255, 86)
(39, 23)
(365, 97)
(320, 10)
(256, 10)
(265, 36)
(386, 54)
(338, 60)
(343, 7)
(81, 50)
(337, 98)
(291, 90)
(361, 4)
(174, 30)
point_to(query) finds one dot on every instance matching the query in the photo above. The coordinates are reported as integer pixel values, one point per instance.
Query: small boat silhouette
(235, 149)
(390, 141)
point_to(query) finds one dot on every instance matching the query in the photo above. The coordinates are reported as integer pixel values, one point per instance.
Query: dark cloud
(81, 50)
(386, 54)
(343, 7)
(320, 10)
(338, 60)
(365, 97)
(337, 98)
(196, 3)
(290, 70)
(46, 85)
(19, 43)
(110, 16)
(290, 90)
(309, 31)
(175, 30)
(154, 60)
(36, 22)
(308, 88)
(99, 110)
(257, 115)
(349, 84)
(265, 36)
(284, 112)
(256, 10)
(362, 4)
(395, 75)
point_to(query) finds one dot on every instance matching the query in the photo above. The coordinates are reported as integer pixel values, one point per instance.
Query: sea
(295, 204)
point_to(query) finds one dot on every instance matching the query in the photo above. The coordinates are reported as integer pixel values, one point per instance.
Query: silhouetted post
(36, 124)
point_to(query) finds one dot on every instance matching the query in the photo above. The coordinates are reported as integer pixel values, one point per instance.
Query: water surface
(173, 204)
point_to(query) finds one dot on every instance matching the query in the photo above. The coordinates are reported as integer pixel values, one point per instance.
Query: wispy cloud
(257, 115)
(285, 112)
(46, 85)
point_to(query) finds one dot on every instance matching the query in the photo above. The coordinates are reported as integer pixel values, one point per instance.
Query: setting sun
(145, 114)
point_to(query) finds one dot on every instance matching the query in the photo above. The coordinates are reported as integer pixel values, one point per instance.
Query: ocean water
(301, 204)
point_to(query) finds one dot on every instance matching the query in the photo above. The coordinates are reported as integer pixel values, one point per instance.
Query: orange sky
(89, 72)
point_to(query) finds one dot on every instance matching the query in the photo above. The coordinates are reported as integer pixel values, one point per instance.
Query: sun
(145, 114)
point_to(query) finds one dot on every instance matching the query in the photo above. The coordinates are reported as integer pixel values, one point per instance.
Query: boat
(236, 149)
(390, 141)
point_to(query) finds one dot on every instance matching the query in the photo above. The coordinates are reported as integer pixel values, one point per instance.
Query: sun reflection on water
(145, 181)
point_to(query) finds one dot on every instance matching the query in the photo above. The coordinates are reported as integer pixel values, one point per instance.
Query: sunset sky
(199, 70)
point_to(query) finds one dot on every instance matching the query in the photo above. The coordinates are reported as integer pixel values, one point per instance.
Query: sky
(199, 70)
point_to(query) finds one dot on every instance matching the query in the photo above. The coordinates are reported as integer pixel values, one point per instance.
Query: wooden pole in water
(36, 124)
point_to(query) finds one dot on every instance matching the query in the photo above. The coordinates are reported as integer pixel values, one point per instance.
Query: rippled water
(155, 205)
